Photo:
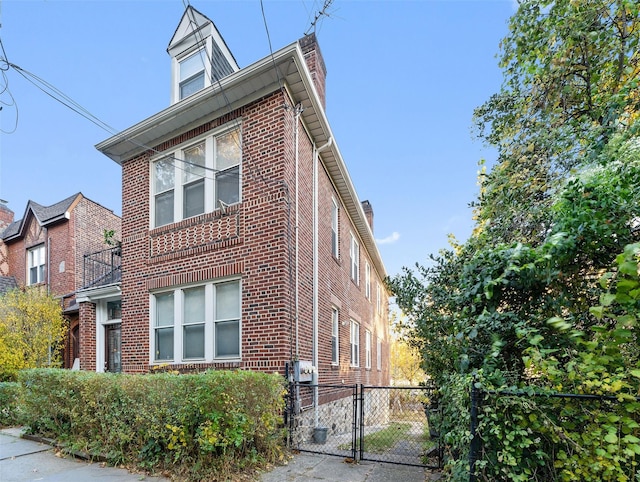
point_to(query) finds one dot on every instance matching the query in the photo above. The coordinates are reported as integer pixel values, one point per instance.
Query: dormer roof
(45, 216)
(194, 28)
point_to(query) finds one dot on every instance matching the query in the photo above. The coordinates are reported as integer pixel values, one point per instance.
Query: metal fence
(386, 424)
(568, 413)
(400, 425)
(102, 267)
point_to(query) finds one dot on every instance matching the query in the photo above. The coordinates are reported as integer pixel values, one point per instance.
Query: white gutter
(316, 152)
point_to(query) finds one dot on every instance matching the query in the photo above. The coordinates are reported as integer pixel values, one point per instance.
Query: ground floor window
(196, 323)
(355, 343)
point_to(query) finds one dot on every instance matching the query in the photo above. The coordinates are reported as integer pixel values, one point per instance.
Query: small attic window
(199, 56)
(192, 73)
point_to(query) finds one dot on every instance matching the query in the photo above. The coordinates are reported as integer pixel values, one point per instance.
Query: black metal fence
(323, 418)
(400, 425)
(102, 267)
(386, 424)
(567, 414)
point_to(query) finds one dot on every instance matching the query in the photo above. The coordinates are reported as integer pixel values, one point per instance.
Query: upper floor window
(35, 265)
(355, 260)
(192, 72)
(197, 179)
(367, 280)
(335, 338)
(378, 298)
(334, 228)
(197, 323)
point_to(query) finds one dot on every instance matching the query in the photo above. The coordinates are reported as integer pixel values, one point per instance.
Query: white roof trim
(234, 90)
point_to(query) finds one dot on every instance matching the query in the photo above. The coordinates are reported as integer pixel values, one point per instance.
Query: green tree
(553, 212)
(571, 72)
(32, 329)
(405, 363)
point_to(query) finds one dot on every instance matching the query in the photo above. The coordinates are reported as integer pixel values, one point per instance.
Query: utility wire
(322, 13)
(59, 96)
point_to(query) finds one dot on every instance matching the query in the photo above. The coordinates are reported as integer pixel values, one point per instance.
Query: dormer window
(199, 56)
(192, 73)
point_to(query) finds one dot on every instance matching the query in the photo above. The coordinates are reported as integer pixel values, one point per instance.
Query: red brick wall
(87, 336)
(88, 222)
(34, 235)
(6, 218)
(65, 244)
(254, 240)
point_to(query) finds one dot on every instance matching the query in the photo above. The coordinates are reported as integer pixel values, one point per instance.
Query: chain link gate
(384, 424)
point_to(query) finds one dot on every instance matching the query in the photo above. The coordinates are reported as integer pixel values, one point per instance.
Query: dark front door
(112, 349)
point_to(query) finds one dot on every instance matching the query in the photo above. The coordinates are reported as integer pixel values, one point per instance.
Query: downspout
(48, 238)
(298, 111)
(316, 152)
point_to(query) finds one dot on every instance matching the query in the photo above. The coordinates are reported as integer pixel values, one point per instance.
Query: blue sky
(403, 78)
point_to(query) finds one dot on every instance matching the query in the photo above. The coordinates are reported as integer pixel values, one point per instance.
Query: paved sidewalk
(23, 460)
(306, 467)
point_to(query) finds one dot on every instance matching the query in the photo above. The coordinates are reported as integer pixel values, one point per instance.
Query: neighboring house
(47, 248)
(244, 244)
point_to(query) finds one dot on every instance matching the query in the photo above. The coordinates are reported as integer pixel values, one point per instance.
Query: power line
(323, 12)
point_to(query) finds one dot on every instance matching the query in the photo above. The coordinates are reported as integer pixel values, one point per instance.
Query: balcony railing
(102, 267)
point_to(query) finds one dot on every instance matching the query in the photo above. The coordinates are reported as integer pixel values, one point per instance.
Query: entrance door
(112, 349)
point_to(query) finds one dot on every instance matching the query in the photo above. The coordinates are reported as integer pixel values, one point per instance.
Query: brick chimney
(368, 213)
(6, 218)
(315, 64)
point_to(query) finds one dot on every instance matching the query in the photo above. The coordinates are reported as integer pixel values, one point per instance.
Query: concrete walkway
(23, 460)
(306, 467)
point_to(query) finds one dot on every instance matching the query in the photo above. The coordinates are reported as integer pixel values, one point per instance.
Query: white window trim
(378, 298)
(354, 256)
(367, 349)
(205, 49)
(335, 335)
(354, 343)
(367, 280)
(209, 328)
(209, 173)
(335, 228)
(379, 354)
(101, 323)
(40, 249)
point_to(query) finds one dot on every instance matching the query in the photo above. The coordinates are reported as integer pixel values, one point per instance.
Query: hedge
(197, 426)
(9, 407)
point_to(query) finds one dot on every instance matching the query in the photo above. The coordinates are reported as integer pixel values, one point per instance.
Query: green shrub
(9, 404)
(193, 425)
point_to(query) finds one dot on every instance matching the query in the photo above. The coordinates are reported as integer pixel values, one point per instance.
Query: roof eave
(228, 93)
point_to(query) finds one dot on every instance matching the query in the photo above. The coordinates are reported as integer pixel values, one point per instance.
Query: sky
(403, 79)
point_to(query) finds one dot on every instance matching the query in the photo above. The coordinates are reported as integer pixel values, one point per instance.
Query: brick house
(47, 248)
(244, 244)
